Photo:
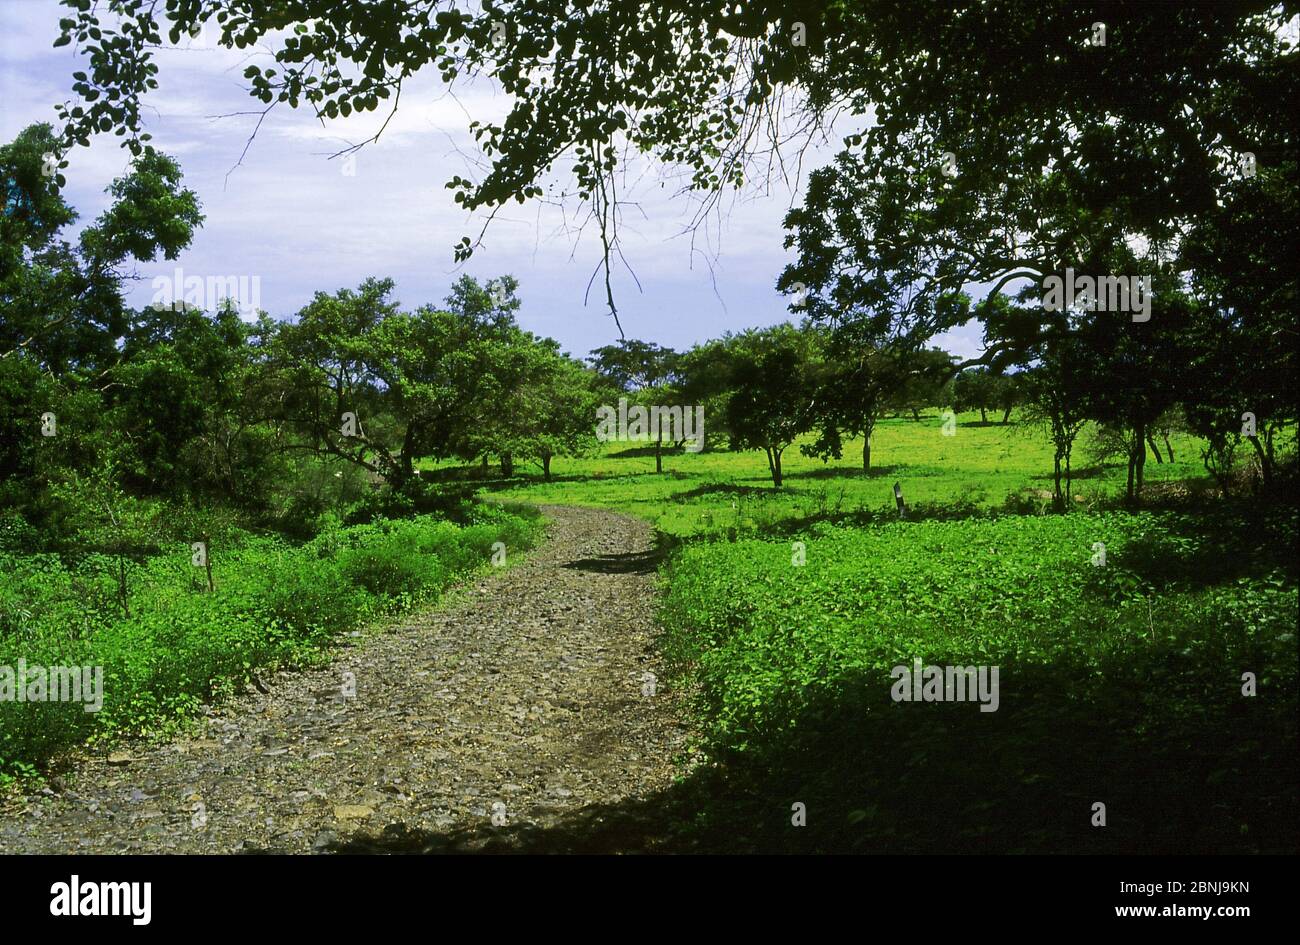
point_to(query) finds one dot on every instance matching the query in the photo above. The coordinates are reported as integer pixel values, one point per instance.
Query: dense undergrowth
(1120, 683)
(171, 644)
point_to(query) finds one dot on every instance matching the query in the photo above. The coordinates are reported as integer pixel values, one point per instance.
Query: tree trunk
(1169, 450)
(406, 459)
(659, 456)
(507, 465)
(546, 467)
(1265, 466)
(776, 468)
(1151, 442)
(1006, 415)
(1141, 456)
(916, 415)
(866, 454)
(1058, 497)
(984, 417)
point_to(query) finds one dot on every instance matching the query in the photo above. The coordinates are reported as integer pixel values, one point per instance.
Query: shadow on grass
(531, 479)
(640, 452)
(799, 523)
(842, 472)
(1205, 544)
(877, 776)
(721, 488)
(632, 562)
(1078, 473)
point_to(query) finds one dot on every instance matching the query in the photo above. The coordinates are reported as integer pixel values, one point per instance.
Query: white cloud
(291, 216)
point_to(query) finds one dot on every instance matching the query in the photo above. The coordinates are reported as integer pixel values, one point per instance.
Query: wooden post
(898, 498)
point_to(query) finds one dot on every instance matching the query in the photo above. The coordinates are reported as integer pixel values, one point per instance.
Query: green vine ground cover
(1120, 683)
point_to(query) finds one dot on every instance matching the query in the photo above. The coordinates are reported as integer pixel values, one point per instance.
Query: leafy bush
(764, 637)
(1124, 681)
(175, 646)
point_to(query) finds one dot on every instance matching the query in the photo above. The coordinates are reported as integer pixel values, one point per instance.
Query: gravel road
(529, 699)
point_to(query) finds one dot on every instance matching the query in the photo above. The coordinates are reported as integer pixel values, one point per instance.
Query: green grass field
(1121, 683)
(724, 494)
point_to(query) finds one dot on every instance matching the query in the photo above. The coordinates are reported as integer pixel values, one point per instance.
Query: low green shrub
(171, 645)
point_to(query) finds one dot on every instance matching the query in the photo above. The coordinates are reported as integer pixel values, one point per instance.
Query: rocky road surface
(525, 711)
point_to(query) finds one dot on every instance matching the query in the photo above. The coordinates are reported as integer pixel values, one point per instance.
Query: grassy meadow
(718, 494)
(1121, 682)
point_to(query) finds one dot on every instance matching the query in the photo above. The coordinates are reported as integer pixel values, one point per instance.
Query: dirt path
(521, 699)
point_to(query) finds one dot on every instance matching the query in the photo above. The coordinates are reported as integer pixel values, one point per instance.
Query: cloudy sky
(303, 222)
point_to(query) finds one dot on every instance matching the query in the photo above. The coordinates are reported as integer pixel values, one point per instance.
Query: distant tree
(563, 401)
(494, 303)
(776, 376)
(647, 371)
(541, 405)
(854, 397)
(923, 377)
(1008, 394)
(632, 365)
(704, 380)
(378, 387)
(975, 389)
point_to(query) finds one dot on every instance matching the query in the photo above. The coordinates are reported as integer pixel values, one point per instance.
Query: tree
(647, 371)
(542, 403)
(861, 383)
(1008, 394)
(632, 365)
(1242, 340)
(1057, 377)
(1134, 370)
(65, 329)
(181, 399)
(327, 368)
(775, 376)
(1054, 401)
(704, 381)
(975, 389)
(62, 305)
(379, 387)
(923, 380)
(982, 389)
(564, 400)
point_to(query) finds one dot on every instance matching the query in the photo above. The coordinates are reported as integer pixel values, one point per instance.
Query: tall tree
(776, 377)
(647, 371)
